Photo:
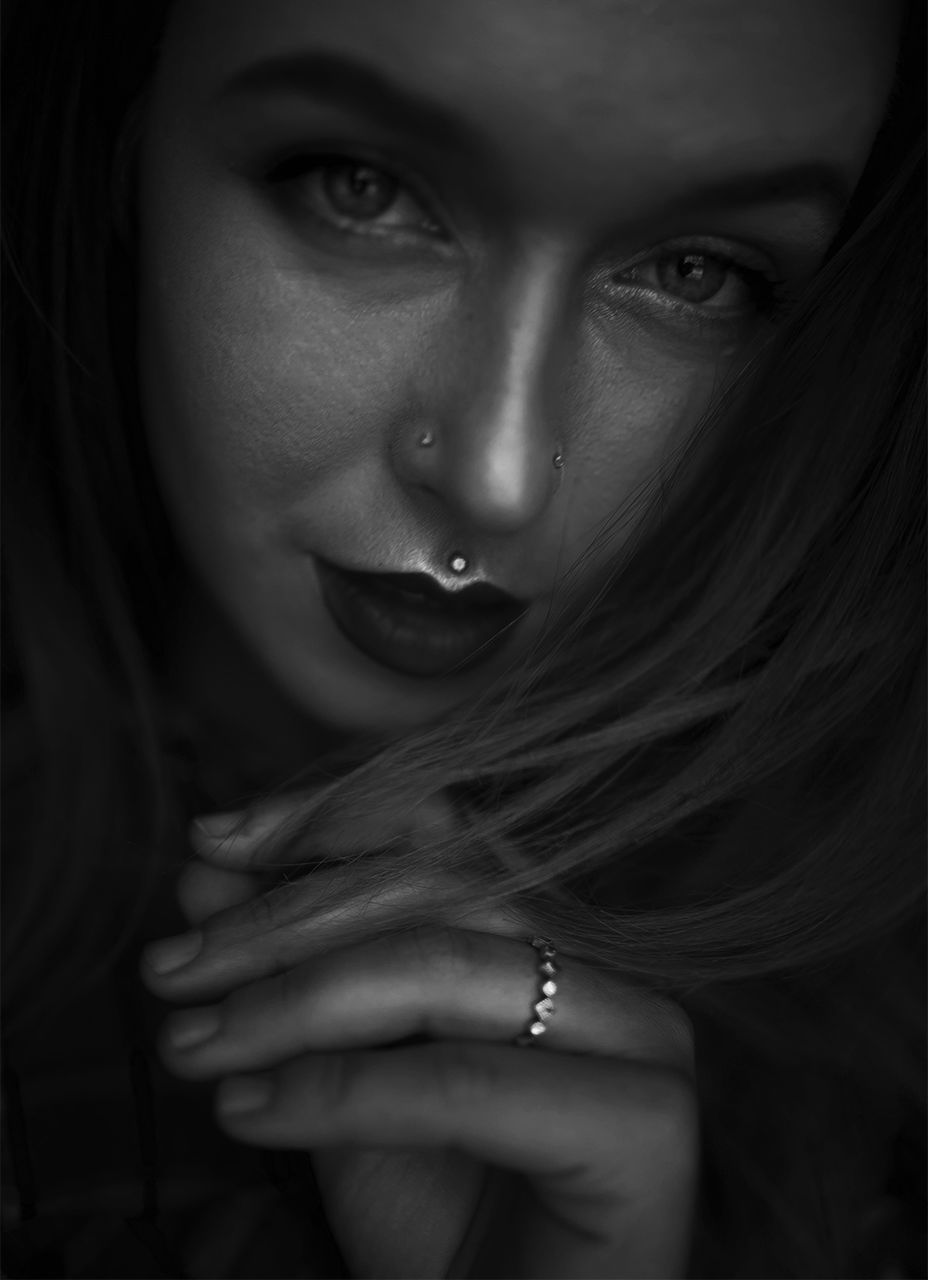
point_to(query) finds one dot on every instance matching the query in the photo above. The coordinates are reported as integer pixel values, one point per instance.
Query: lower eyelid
(767, 289)
(665, 299)
(658, 312)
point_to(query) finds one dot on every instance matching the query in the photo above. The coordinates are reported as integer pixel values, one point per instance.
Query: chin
(342, 689)
(374, 703)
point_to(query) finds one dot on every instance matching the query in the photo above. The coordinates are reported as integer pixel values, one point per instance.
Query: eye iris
(697, 277)
(358, 190)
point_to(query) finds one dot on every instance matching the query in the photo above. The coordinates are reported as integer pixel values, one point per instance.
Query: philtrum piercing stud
(426, 440)
(457, 563)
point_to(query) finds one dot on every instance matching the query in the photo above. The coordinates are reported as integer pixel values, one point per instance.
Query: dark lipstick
(411, 624)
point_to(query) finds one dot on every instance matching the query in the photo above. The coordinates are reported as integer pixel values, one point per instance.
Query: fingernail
(171, 953)
(191, 1027)
(239, 1094)
(219, 826)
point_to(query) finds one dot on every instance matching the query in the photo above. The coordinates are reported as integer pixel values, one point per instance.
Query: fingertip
(191, 1028)
(219, 835)
(218, 826)
(169, 955)
(181, 1052)
(229, 839)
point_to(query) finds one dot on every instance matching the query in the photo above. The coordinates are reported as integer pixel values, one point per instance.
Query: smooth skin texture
(583, 234)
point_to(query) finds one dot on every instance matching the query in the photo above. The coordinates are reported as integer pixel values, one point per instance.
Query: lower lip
(410, 638)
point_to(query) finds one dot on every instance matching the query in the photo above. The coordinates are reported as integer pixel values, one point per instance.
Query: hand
(599, 1124)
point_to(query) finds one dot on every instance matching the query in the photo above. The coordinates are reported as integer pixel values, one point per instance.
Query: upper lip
(476, 595)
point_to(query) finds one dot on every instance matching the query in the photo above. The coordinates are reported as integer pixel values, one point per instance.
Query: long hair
(87, 561)
(709, 778)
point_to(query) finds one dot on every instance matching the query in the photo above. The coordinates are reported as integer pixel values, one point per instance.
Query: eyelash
(767, 291)
(297, 168)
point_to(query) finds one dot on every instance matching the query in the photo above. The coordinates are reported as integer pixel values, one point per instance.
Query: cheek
(258, 387)
(637, 402)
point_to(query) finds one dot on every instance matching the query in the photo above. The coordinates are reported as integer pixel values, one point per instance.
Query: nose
(491, 404)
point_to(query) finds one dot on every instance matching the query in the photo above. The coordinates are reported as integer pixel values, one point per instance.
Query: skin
(287, 370)
(518, 303)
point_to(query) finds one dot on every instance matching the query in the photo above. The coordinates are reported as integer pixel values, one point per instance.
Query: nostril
(491, 472)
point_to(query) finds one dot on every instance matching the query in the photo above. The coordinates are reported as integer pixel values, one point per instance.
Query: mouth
(410, 624)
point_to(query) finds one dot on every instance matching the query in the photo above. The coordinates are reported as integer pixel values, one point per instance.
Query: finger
(202, 891)
(294, 922)
(230, 839)
(243, 839)
(439, 982)
(610, 1147)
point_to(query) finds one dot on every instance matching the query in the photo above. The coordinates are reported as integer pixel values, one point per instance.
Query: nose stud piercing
(457, 563)
(427, 438)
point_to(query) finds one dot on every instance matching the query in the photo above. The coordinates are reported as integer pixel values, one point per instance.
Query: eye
(709, 281)
(694, 277)
(353, 196)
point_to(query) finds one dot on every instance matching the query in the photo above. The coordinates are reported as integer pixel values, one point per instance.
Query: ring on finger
(543, 1008)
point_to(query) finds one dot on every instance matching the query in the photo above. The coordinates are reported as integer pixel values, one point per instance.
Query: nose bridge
(503, 424)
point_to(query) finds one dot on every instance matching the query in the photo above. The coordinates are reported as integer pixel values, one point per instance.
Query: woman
(466, 458)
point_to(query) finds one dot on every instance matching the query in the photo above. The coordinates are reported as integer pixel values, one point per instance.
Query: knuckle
(286, 992)
(274, 914)
(260, 912)
(279, 951)
(247, 939)
(262, 1003)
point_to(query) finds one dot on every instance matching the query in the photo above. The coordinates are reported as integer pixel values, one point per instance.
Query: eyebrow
(810, 182)
(354, 85)
(351, 84)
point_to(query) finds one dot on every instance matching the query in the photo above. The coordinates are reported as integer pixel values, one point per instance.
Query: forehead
(587, 83)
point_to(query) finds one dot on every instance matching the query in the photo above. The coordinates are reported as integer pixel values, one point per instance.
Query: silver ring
(543, 1008)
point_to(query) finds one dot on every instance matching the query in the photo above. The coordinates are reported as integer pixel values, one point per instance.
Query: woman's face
(397, 256)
